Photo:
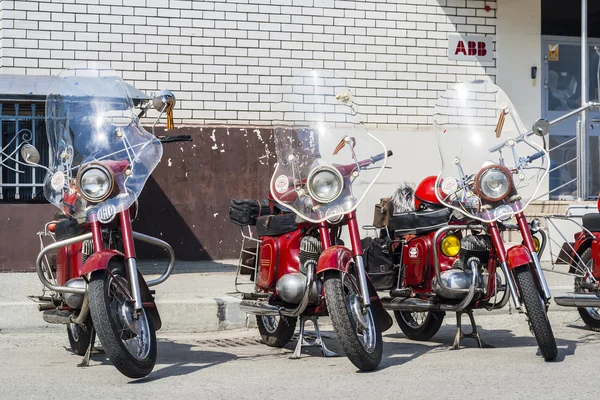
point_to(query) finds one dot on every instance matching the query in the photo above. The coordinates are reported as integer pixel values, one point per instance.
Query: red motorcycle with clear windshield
(451, 257)
(101, 159)
(299, 267)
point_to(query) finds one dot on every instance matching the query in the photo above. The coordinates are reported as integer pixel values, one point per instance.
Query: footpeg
(318, 342)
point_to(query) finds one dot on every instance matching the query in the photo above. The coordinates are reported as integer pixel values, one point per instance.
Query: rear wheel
(80, 336)
(419, 325)
(129, 342)
(358, 332)
(536, 312)
(589, 315)
(276, 331)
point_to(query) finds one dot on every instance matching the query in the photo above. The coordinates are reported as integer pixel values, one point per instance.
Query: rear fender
(339, 258)
(517, 256)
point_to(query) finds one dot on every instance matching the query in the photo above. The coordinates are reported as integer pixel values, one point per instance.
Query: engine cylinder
(310, 250)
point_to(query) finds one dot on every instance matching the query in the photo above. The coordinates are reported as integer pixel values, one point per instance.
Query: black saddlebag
(275, 225)
(379, 263)
(419, 222)
(244, 212)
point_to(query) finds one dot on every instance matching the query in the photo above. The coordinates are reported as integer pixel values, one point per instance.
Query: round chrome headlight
(325, 184)
(95, 182)
(494, 183)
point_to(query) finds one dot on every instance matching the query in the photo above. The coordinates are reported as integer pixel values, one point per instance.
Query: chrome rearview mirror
(164, 101)
(162, 98)
(541, 127)
(30, 154)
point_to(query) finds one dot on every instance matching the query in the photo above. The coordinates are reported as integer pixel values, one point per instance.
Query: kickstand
(88, 354)
(473, 335)
(302, 342)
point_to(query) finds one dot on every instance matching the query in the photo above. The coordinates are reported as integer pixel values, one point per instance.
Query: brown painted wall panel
(185, 202)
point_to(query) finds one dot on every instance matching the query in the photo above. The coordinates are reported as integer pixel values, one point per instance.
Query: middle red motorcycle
(449, 255)
(298, 266)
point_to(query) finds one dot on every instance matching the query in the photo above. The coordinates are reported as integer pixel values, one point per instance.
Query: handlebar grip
(535, 156)
(381, 156)
(179, 138)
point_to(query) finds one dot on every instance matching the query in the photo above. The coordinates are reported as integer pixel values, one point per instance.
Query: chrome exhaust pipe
(57, 317)
(411, 304)
(578, 300)
(257, 307)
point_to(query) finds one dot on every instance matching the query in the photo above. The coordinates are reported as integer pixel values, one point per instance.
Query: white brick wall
(223, 58)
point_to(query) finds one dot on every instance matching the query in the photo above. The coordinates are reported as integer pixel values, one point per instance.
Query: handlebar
(535, 156)
(171, 139)
(381, 156)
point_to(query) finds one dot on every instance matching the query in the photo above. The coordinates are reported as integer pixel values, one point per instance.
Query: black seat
(591, 222)
(419, 222)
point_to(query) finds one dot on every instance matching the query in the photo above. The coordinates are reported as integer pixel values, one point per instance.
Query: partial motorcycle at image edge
(440, 248)
(100, 160)
(583, 259)
(293, 264)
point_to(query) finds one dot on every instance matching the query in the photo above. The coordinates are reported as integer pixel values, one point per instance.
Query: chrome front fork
(362, 281)
(135, 283)
(541, 277)
(511, 286)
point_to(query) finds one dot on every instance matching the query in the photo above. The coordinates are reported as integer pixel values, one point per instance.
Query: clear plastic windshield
(101, 155)
(490, 169)
(326, 160)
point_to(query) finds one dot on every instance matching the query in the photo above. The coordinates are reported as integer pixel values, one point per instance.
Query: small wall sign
(470, 48)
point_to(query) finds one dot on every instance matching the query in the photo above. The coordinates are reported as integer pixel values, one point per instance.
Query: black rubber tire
(536, 312)
(591, 322)
(345, 326)
(108, 331)
(80, 336)
(428, 328)
(284, 332)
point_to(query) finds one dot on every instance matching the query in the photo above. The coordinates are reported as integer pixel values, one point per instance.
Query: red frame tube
(525, 231)
(354, 234)
(127, 233)
(97, 236)
(498, 241)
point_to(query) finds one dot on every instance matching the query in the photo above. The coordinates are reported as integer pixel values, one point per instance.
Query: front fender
(335, 257)
(517, 256)
(338, 258)
(100, 260)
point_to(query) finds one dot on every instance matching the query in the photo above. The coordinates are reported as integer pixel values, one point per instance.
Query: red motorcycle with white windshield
(101, 157)
(491, 171)
(326, 164)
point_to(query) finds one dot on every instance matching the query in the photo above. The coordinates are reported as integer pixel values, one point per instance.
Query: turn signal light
(536, 243)
(450, 246)
(51, 227)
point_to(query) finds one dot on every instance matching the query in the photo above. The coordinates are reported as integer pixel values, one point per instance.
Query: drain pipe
(582, 172)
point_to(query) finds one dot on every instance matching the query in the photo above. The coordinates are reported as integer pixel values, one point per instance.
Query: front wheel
(420, 326)
(536, 312)
(358, 332)
(276, 331)
(128, 340)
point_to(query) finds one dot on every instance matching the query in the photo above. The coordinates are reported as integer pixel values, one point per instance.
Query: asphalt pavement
(235, 365)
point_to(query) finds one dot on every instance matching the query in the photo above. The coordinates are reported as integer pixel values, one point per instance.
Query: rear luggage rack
(247, 267)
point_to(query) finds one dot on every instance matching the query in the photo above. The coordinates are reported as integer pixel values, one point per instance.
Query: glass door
(562, 93)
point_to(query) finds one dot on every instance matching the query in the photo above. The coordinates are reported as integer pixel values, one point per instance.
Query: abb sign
(470, 48)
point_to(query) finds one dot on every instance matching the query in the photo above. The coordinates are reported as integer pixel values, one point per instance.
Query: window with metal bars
(22, 122)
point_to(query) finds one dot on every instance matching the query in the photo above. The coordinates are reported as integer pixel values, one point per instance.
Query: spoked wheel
(80, 336)
(589, 315)
(276, 331)
(358, 332)
(128, 340)
(419, 325)
(536, 312)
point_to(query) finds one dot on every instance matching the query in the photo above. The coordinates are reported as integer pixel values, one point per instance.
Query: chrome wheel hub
(271, 323)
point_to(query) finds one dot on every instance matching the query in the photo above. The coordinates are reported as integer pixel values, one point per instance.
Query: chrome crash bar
(86, 236)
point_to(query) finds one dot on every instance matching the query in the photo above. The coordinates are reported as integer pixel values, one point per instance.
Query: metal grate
(22, 122)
